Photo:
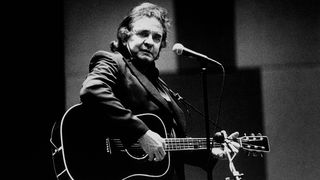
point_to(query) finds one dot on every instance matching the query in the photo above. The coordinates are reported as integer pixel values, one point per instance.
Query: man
(126, 82)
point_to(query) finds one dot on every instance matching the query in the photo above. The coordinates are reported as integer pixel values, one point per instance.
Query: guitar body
(88, 152)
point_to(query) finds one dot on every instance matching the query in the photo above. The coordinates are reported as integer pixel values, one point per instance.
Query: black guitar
(83, 153)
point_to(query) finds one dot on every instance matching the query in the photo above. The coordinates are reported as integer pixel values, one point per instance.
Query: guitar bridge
(108, 146)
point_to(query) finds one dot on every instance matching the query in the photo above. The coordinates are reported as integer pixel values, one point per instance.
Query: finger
(221, 156)
(158, 157)
(233, 149)
(235, 144)
(224, 133)
(227, 149)
(218, 134)
(151, 157)
(217, 151)
(162, 152)
(233, 135)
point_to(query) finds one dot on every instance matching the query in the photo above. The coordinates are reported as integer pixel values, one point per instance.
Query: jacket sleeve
(98, 89)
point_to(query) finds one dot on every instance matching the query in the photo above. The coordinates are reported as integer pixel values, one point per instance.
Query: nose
(149, 40)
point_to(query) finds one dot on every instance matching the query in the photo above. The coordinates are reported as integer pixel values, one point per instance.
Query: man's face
(146, 38)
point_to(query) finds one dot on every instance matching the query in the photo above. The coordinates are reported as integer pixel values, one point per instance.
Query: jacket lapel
(147, 85)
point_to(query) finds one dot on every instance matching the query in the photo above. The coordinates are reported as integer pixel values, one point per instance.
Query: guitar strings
(185, 144)
(174, 144)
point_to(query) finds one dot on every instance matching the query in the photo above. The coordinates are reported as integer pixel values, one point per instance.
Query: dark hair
(144, 9)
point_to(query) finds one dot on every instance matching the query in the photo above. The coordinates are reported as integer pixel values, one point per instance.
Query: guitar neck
(180, 144)
(172, 144)
(250, 143)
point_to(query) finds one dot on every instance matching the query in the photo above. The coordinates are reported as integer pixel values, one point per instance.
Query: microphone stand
(206, 107)
(206, 113)
(178, 48)
(236, 174)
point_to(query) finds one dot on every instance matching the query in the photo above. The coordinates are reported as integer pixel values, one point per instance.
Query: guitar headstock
(254, 143)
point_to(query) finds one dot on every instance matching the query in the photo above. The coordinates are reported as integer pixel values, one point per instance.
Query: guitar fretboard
(251, 143)
(178, 144)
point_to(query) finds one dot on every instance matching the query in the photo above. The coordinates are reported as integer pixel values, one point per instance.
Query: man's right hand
(153, 144)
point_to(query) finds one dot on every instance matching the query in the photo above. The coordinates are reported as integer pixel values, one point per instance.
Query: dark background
(33, 86)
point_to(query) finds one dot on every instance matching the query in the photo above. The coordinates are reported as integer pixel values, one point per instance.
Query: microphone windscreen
(178, 48)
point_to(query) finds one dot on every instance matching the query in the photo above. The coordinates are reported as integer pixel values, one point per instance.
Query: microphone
(179, 49)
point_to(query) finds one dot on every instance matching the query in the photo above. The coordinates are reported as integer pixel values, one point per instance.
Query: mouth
(146, 52)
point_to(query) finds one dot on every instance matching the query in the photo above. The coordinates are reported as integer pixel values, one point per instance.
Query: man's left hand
(231, 146)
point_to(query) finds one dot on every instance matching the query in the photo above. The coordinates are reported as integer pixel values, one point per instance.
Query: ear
(163, 44)
(157, 57)
(124, 35)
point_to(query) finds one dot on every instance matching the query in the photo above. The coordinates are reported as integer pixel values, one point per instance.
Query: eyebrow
(147, 30)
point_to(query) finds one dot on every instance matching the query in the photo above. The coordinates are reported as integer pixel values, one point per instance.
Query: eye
(143, 33)
(156, 37)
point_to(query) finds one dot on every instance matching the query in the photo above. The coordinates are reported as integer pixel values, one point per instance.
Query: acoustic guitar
(83, 153)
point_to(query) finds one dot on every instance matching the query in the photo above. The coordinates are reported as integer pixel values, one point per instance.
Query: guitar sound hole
(136, 152)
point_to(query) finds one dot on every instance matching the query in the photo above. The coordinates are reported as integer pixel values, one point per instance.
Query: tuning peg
(261, 154)
(258, 154)
(249, 153)
(254, 154)
(259, 134)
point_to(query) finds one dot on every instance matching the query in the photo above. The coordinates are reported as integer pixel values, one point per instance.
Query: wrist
(141, 137)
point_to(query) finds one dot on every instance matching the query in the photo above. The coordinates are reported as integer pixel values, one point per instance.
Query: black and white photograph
(163, 90)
